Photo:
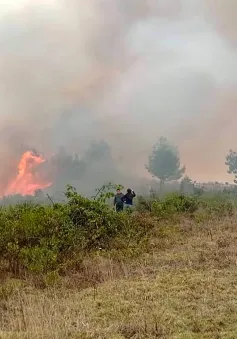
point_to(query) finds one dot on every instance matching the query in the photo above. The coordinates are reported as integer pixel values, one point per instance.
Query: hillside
(176, 280)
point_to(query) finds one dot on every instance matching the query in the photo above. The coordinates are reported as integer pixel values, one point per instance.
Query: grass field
(183, 286)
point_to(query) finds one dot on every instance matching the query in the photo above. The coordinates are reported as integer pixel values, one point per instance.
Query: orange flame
(27, 181)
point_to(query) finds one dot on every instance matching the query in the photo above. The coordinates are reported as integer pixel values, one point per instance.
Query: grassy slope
(185, 287)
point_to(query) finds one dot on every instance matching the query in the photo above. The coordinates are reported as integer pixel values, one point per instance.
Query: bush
(34, 237)
(218, 205)
(45, 239)
(95, 221)
(173, 204)
(144, 204)
(41, 238)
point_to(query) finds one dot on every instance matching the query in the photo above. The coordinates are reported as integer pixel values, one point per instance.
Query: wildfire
(28, 180)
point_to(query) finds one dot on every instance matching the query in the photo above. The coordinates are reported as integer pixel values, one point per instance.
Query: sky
(72, 71)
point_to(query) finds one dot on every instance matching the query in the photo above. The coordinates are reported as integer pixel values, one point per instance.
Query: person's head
(129, 190)
(118, 191)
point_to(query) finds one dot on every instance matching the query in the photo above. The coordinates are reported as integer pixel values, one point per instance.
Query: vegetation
(187, 186)
(80, 270)
(41, 238)
(231, 162)
(164, 162)
(77, 269)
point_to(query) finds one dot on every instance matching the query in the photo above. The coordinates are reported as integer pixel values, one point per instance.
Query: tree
(98, 151)
(164, 162)
(67, 165)
(231, 162)
(186, 185)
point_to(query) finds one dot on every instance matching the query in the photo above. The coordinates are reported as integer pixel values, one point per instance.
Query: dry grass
(185, 287)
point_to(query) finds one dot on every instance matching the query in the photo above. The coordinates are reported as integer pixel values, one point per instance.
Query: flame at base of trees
(28, 180)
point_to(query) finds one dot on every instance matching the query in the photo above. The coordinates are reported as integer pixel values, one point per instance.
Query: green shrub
(51, 278)
(144, 204)
(94, 219)
(173, 204)
(33, 237)
(53, 238)
(218, 205)
(40, 238)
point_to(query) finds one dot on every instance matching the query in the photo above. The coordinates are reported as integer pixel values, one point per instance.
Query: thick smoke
(123, 71)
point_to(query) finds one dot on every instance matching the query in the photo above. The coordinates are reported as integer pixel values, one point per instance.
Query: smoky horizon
(77, 72)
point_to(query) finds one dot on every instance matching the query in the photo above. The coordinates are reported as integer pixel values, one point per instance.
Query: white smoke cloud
(72, 71)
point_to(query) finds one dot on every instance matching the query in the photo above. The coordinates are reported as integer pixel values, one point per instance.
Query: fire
(28, 180)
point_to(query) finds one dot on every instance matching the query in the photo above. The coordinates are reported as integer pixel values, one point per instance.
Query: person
(118, 201)
(128, 198)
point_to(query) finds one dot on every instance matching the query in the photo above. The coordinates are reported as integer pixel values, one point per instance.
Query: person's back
(118, 200)
(128, 197)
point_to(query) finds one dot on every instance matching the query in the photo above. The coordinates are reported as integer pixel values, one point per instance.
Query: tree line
(164, 162)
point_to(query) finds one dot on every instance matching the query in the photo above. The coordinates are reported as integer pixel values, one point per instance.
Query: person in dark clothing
(118, 201)
(128, 198)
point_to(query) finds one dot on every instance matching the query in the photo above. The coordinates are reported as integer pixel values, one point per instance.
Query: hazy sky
(9, 5)
(128, 72)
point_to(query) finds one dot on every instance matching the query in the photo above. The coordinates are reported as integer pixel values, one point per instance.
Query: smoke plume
(123, 71)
